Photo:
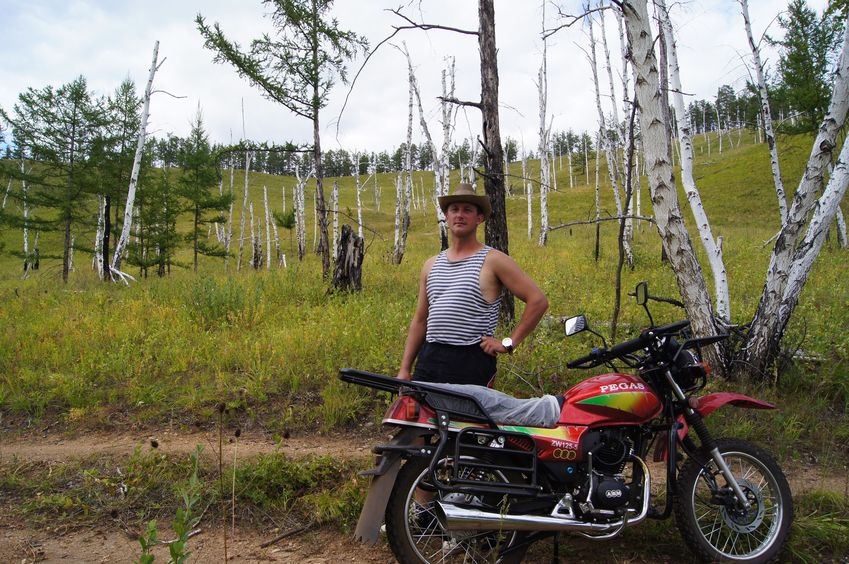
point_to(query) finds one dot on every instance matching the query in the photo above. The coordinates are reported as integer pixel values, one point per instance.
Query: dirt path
(59, 447)
(22, 543)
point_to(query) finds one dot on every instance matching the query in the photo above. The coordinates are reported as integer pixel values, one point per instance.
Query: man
(453, 328)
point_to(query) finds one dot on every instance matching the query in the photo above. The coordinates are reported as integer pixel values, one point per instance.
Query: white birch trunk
(670, 224)
(569, 161)
(267, 228)
(825, 211)
(25, 202)
(248, 156)
(609, 150)
(766, 116)
(121, 244)
(586, 159)
(358, 189)
(6, 195)
(229, 238)
(544, 168)
(529, 192)
(765, 330)
(399, 194)
(98, 237)
(71, 255)
(711, 246)
(438, 171)
(841, 229)
(334, 205)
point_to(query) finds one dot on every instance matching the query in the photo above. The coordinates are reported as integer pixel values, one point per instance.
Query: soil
(23, 543)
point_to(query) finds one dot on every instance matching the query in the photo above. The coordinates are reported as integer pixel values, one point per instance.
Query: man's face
(463, 217)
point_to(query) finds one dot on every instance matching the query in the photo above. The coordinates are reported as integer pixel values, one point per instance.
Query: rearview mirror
(642, 293)
(575, 325)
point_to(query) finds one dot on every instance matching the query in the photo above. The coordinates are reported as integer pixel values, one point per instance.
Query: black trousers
(453, 364)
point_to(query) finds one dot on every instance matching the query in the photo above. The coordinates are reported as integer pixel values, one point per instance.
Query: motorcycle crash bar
(454, 518)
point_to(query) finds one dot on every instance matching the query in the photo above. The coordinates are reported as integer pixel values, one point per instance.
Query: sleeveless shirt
(458, 314)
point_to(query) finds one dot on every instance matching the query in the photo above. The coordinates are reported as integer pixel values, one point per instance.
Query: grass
(269, 344)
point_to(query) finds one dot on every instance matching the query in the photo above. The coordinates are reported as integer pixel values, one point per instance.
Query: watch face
(507, 343)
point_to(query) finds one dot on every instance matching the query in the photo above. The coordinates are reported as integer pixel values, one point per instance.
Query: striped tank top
(458, 314)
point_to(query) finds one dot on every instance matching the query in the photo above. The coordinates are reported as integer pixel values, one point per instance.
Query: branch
(397, 29)
(427, 27)
(594, 221)
(166, 92)
(574, 19)
(452, 100)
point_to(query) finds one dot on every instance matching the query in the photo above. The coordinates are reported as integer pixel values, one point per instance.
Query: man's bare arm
(418, 326)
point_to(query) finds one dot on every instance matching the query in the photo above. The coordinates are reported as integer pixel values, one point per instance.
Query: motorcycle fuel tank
(609, 399)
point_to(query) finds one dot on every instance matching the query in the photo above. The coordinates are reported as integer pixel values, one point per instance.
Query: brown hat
(466, 193)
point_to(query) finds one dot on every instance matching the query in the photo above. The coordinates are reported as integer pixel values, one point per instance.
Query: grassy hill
(267, 346)
(270, 342)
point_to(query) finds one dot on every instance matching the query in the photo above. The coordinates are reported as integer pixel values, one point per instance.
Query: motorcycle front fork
(696, 422)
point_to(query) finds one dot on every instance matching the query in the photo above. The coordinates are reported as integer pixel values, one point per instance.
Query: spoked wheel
(415, 534)
(713, 522)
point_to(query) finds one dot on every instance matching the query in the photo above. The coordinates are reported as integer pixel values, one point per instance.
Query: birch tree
(669, 220)
(793, 252)
(713, 247)
(296, 68)
(134, 175)
(544, 133)
(766, 115)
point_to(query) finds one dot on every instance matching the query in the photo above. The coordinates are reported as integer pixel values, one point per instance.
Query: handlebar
(602, 355)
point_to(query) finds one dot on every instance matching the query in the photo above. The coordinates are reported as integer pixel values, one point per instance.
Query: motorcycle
(474, 475)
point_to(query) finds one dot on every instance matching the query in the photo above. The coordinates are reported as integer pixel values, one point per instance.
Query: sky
(51, 42)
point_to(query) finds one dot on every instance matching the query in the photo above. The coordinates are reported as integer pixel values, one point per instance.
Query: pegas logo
(626, 387)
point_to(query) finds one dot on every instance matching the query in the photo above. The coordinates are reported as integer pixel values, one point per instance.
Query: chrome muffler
(454, 518)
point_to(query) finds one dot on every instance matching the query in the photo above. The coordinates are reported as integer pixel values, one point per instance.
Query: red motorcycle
(474, 475)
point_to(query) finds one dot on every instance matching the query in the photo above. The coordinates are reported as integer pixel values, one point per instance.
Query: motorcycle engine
(611, 450)
(611, 493)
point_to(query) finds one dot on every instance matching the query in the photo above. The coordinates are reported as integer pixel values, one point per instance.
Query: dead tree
(347, 273)
(115, 267)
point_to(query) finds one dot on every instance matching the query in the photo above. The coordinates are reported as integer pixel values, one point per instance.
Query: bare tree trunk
(529, 192)
(495, 228)
(670, 224)
(597, 197)
(544, 132)
(121, 244)
(267, 228)
(609, 149)
(334, 207)
(766, 330)
(712, 247)
(229, 237)
(248, 156)
(98, 236)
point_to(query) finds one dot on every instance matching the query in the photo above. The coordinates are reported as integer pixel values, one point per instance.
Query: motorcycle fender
(380, 488)
(706, 405)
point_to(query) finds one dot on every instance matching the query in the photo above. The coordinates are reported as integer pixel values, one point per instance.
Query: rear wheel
(415, 534)
(715, 525)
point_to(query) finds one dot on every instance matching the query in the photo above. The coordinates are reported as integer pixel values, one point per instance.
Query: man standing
(453, 328)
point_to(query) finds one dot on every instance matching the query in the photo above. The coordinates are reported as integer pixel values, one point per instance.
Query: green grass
(268, 344)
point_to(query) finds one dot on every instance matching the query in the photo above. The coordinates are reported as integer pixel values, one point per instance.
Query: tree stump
(347, 273)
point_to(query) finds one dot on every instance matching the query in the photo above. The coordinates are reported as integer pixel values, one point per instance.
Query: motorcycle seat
(505, 409)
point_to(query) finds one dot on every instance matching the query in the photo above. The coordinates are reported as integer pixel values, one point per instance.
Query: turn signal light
(706, 368)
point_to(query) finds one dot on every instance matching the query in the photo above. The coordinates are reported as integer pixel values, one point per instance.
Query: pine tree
(200, 176)
(296, 68)
(59, 129)
(807, 50)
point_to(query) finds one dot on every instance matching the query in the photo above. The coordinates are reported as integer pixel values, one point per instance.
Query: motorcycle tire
(717, 530)
(415, 535)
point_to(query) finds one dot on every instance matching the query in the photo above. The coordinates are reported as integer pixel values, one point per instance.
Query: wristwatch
(507, 343)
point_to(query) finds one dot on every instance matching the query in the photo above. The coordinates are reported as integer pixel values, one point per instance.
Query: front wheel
(415, 534)
(712, 521)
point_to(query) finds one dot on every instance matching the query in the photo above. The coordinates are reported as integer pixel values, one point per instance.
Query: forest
(161, 292)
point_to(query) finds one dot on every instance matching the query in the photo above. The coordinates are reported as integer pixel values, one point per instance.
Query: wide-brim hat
(466, 193)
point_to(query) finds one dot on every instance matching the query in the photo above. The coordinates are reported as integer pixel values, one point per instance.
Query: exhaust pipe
(454, 518)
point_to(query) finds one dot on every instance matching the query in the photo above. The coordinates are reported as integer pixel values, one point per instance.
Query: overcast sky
(52, 42)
